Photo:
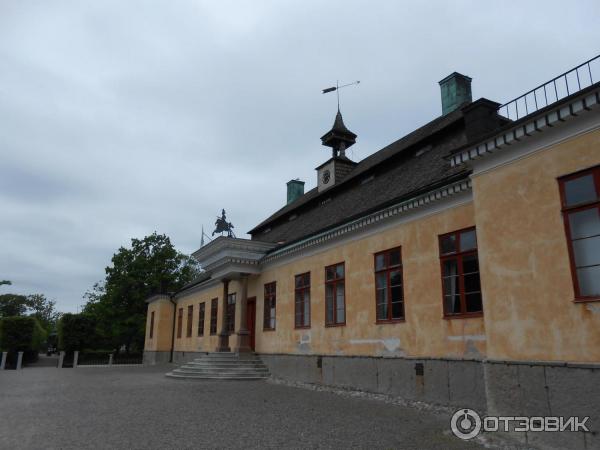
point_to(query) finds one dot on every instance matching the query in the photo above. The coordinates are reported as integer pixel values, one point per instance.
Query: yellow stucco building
(459, 265)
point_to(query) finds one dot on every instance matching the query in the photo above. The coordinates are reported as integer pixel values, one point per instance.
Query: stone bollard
(61, 359)
(3, 362)
(75, 359)
(110, 359)
(20, 361)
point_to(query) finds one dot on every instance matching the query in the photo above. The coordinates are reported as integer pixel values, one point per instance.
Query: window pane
(396, 293)
(380, 280)
(584, 223)
(397, 310)
(468, 240)
(580, 190)
(306, 308)
(382, 311)
(329, 302)
(448, 244)
(472, 283)
(470, 264)
(330, 273)
(381, 295)
(452, 304)
(298, 281)
(340, 271)
(589, 281)
(394, 258)
(380, 261)
(450, 267)
(395, 278)
(341, 316)
(451, 286)
(587, 251)
(473, 302)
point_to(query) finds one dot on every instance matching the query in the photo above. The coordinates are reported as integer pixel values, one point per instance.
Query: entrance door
(251, 320)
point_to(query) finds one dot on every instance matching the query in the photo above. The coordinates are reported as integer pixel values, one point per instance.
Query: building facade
(460, 265)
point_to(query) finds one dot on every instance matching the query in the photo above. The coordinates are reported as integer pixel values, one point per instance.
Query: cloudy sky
(119, 118)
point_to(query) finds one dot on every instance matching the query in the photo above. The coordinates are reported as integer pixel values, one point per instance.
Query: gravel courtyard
(137, 407)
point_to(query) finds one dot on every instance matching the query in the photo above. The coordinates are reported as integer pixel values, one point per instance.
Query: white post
(20, 361)
(61, 359)
(75, 358)
(110, 359)
(3, 363)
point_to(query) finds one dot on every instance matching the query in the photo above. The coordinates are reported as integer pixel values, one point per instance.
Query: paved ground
(137, 407)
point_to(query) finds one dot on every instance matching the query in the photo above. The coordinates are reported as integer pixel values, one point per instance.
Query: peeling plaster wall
(163, 322)
(424, 332)
(525, 273)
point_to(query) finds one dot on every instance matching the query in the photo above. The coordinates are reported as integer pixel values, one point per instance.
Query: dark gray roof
(404, 168)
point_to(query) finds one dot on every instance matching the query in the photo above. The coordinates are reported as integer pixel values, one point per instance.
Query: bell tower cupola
(339, 138)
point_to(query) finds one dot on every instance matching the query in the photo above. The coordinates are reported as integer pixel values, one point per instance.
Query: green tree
(5, 282)
(13, 305)
(151, 266)
(43, 310)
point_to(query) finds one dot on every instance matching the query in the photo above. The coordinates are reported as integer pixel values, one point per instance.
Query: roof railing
(552, 91)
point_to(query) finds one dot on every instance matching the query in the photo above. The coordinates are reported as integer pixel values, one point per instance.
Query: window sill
(586, 299)
(391, 321)
(463, 316)
(306, 327)
(268, 329)
(333, 325)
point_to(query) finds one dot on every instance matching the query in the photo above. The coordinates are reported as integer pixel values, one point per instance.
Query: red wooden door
(251, 320)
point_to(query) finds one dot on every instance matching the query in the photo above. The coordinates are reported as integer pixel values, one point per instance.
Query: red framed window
(270, 306)
(580, 197)
(302, 301)
(231, 313)
(151, 324)
(389, 295)
(190, 317)
(335, 295)
(214, 310)
(460, 273)
(201, 307)
(179, 322)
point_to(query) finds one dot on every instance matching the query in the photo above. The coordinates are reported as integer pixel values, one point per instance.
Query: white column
(20, 361)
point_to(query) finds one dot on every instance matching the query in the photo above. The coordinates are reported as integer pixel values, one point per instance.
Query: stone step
(222, 366)
(218, 374)
(215, 377)
(224, 369)
(242, 363)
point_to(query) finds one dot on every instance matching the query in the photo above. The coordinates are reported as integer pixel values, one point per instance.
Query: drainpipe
(171, 296)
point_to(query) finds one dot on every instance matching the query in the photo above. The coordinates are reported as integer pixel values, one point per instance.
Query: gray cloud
(121, 118)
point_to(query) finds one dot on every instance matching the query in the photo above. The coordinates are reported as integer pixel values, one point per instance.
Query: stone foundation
(153, 358)
(496, 388)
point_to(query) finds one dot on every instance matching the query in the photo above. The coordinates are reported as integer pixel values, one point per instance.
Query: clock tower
(339, 138)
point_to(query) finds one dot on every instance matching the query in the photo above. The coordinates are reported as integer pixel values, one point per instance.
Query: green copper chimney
(295, 189)
(456, 90)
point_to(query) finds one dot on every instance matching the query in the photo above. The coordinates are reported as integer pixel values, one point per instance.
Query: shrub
(21, 334)
(75, 332)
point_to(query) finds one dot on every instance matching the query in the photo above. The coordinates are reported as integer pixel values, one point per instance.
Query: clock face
(326, 176)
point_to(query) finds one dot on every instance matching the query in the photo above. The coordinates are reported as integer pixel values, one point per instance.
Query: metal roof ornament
(222, 226)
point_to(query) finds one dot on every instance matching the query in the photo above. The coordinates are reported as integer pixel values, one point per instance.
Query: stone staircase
(223, 366)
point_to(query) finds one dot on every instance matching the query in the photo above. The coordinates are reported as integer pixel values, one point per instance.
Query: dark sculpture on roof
(222, 226)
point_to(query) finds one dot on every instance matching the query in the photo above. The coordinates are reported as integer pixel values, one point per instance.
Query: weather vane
(337, 88)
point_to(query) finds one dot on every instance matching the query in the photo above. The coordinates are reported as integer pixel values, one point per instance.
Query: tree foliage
(13, 305)
(35, 305)
(75, 332)
(151, 266)
(21, 334)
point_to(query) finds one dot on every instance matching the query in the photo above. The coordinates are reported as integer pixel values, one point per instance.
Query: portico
(229, 259)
